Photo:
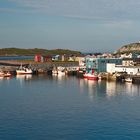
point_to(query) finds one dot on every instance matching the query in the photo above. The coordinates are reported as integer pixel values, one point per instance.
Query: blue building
(100, 64)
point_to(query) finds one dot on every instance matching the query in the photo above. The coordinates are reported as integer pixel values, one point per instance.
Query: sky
(82, 25)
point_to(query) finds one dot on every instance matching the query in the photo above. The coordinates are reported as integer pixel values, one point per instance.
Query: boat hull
(5, 74)
(90, 76)
(85, 75)
(128, 80)
(58, 73)
(23, 72)
(93, 78)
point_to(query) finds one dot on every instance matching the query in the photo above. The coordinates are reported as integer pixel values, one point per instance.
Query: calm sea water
(16, 57)
(68, 108)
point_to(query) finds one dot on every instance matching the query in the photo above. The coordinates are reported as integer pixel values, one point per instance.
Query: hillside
(130, 48)
(18, 51)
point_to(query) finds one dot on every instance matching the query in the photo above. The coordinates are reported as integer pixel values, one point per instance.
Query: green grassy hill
(18, 51)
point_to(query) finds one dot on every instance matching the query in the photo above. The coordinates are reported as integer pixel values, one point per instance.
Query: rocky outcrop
(133, 47)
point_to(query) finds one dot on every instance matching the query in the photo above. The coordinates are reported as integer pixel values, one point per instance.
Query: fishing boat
(92, 75)
(24, 70)
(59, 71)
(85, 75)
(5, 74)
(128, 79)
(81, 71)
(1, 74)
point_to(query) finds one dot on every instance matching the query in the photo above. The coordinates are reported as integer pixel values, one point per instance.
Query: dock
(37, 67)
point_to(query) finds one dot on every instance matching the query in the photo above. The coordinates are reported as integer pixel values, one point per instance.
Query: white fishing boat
(59, 71)
(24, 70)
(128, 79)
(5, 74)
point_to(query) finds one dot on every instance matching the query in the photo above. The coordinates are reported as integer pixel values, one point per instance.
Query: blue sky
(83, 25)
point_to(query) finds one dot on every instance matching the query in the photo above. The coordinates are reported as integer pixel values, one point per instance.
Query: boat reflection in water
(133, 90)
(117, 89)
(110, 89)
(92, 86)
(23, 77)
(1, 77)
(81, 83)
(59, 76)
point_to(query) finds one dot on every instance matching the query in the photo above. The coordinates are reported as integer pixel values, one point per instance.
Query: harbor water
(68, 108)
(16, 57)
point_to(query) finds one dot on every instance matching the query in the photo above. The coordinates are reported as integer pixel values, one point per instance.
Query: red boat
(91, 76)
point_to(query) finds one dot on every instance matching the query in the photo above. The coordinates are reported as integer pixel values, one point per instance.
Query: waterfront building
(48, 58)
(131, 70)
(81, 60)
(40, 58)
(71, 58)
(37, 58)
(110, 68)
(100, 64)
(55, 57)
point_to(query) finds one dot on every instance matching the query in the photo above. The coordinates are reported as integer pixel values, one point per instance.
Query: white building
(82, 61)
(110, 67)
(133, 70)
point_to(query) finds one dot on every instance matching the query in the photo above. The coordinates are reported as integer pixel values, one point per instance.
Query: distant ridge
(27, 52)
(130, 48)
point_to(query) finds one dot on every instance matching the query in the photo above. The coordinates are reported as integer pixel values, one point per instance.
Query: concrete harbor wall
(36, 67)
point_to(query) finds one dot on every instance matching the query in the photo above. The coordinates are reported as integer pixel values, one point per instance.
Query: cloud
(94, 9)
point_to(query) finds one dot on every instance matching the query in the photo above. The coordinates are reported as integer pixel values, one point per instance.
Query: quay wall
(36, 66)
(50, 65)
